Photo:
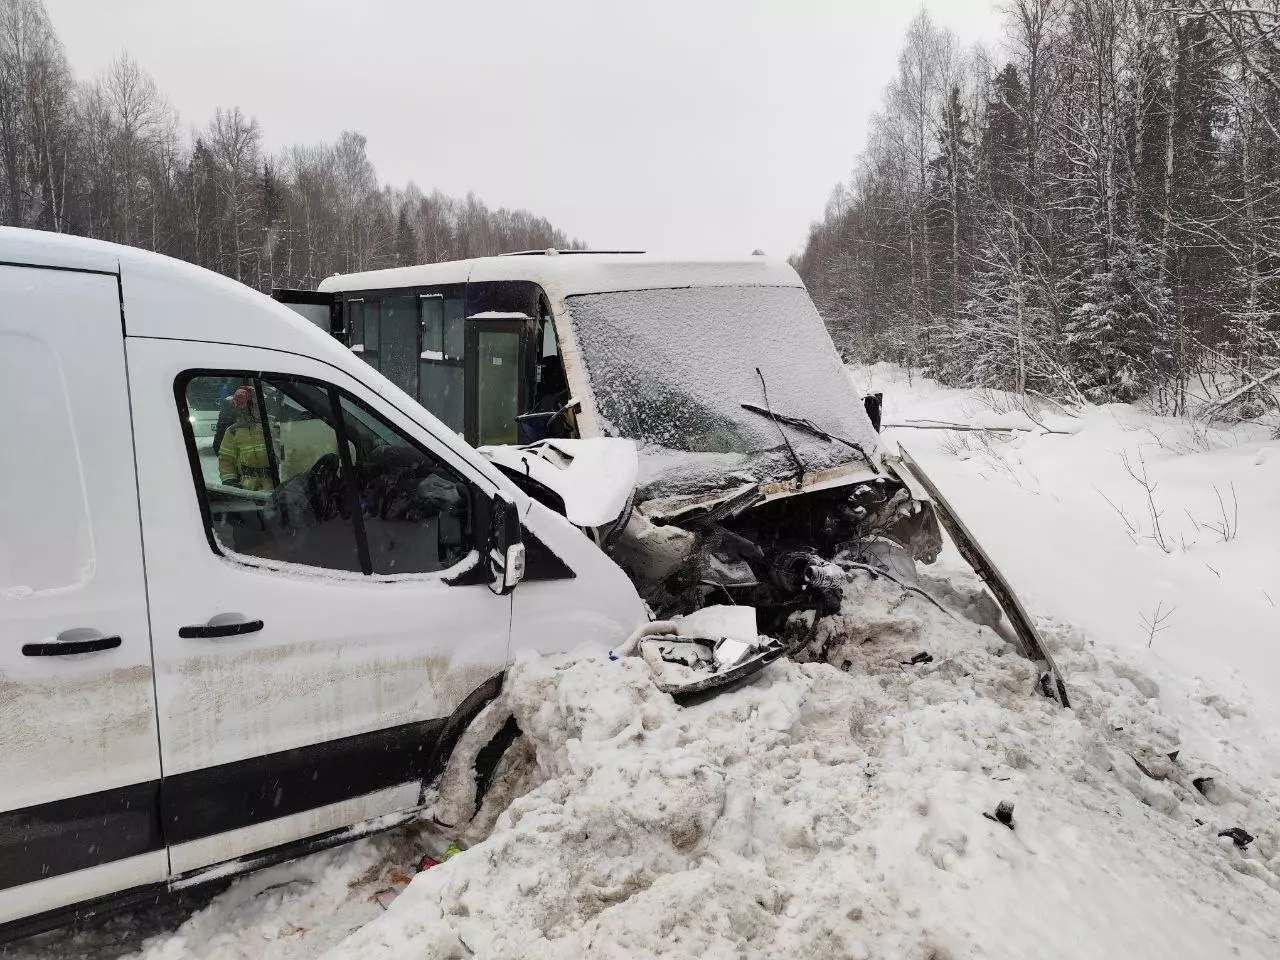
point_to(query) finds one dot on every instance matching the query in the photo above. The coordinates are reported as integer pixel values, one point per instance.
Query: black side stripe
(78, 912)
(64, 836)
(206, 802)
(80, 832)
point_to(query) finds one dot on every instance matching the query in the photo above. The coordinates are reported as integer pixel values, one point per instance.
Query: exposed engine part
(794, 571)
(779, 556)
(651, 553)
(716, 570)
(910, 522)
(883, 554)
(724, 559)
(790, 558)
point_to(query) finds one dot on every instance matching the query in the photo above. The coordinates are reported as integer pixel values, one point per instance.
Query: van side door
(315, 619)
(79, 760)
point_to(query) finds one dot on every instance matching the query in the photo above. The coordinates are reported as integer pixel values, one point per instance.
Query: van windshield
(671, 369)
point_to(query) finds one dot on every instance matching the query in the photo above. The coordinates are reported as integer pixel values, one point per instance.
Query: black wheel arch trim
(458, 721)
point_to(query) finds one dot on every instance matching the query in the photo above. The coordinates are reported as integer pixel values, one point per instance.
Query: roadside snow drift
(827, 812)
(1194, 604)
(838, 808)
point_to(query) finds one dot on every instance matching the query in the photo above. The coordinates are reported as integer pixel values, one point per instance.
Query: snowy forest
(1091, 209)
(109, 159)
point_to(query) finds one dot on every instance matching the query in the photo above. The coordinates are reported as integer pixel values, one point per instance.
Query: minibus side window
(357, 337)
(441, 381)
(398, 348)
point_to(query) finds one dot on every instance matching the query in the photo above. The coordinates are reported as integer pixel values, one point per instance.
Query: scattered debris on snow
(1003, 814)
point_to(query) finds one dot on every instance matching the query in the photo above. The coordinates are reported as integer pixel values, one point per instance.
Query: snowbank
(837, 807)
(1073, 531)
(828, 812)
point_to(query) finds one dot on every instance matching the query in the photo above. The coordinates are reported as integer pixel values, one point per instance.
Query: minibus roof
(565, 274)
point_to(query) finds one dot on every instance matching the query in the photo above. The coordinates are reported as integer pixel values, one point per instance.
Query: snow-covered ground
(836, 808)
(1072, 528)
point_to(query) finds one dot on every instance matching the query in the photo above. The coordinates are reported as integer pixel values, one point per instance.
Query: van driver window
(416, 512)
(278, 486)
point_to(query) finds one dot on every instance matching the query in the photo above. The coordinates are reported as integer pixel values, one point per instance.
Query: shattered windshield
(671, 369)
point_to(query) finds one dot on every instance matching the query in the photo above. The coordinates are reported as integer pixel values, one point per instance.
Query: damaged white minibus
(693, 417)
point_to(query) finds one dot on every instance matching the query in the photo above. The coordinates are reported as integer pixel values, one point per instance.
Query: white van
(213, 662)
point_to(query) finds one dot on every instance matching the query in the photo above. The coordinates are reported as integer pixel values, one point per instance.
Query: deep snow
(824, 813)
(1046, 507)
(835, 808)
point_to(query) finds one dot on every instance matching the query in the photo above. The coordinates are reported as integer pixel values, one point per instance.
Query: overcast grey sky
(700, 127)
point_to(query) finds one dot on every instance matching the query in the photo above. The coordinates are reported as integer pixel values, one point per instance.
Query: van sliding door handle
(67, 648)
(209, 631)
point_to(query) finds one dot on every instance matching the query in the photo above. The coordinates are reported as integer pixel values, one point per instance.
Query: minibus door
(496, 379)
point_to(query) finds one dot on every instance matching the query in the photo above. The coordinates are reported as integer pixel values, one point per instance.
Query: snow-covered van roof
(565, 274)
(44, 249)
(175, 300)
(170, 298)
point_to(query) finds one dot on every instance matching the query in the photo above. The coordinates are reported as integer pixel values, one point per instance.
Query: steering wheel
(319, 489)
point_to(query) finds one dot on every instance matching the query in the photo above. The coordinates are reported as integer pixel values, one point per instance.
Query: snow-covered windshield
(671, 369)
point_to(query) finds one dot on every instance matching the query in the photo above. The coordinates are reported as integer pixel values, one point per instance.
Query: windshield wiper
(808, 426)
(767, 410)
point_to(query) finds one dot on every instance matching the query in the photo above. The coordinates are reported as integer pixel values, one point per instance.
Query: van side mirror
(506, 547)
